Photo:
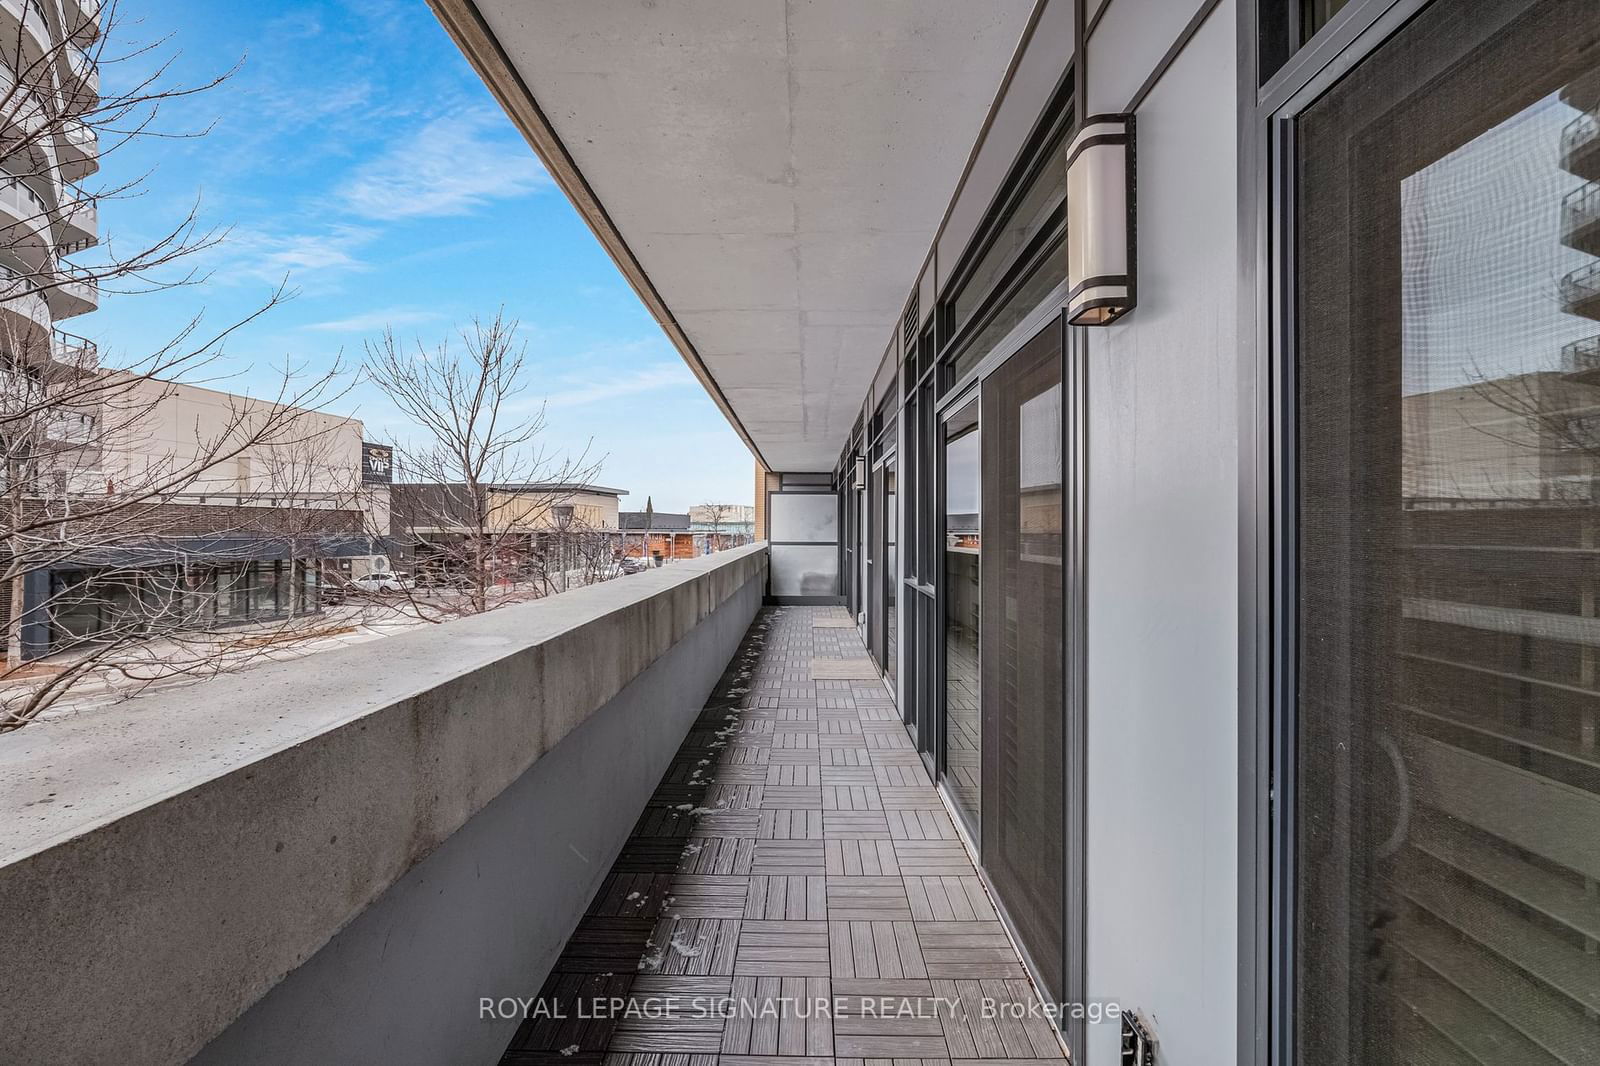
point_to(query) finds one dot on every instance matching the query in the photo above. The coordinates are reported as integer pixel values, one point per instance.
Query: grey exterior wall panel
(1162, 565)
(1128, 44)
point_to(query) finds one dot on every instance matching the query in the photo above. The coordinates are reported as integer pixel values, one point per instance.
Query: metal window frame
(813, 489)
(1269, 103)
(1055, 123)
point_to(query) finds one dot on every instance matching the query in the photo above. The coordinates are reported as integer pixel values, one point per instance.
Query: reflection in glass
(1049, 273)
(1030, 217)
(1023, 692)
(891, 571)
(1448, 713)
(963, 728)
(1315, 15)
(1034, 214)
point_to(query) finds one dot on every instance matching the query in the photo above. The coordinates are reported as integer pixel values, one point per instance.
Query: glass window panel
(891, 571)
(962, 732)
(1022, 687)
(804, 517)
(1029, 217)
(1049, 273)
(263, 589)
(1447, 725)
(804, 569)
(1316, 13)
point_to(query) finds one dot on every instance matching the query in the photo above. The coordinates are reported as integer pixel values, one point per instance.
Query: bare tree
(104, 508)
(477, 483)
(99, 487)
(596, 552)
(716, 514)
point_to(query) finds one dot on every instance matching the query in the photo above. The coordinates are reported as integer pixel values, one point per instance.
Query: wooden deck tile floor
(794, 894)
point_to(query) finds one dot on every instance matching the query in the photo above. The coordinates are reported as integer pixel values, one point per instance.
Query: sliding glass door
(883, 566)
(959, 591)
(1022, 646)
(1444, 738)
(891, 570)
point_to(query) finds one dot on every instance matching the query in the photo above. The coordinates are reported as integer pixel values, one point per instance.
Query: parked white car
(382, 582)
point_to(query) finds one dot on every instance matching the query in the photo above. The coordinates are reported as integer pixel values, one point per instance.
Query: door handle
(1402, 825)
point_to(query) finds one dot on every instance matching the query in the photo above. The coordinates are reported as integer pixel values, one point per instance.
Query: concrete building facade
(251, 537)
(44, 217)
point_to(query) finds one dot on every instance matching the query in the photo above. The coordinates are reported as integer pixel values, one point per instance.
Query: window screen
(1447, 820)
(1022, 693)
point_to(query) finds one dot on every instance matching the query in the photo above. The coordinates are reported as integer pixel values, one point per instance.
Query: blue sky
(356, 152)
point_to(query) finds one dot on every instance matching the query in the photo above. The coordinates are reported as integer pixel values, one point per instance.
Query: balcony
(28, 17)
(69, 349)
(77, 294)
(82, 73)
(644, 788)
(1580, 292)
(1580, 147)
(78, 152)
(78, 222)
(1580, 219)
(25, 220)
(25, 318)
(82, 19)
(465, 788)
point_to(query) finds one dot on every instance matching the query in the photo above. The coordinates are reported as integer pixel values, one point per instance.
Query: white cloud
(263, 255)
(449, 166)
(623, 383)
(373, 321)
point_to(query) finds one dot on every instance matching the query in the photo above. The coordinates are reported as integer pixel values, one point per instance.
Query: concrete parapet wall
(166, 863)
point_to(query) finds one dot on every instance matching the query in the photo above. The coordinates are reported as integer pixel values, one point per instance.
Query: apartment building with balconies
(46, 218)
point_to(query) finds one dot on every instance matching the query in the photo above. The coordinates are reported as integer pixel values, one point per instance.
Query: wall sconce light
(859, 481)
(1100, 221)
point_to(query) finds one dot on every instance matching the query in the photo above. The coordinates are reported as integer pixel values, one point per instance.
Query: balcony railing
(1580, 219)
(80, 151)
(75, 351)
(82, 19)
(1580, 140)
(1581, 356)
(216, 837)
(1580, 292)
(79, 221)
(85, 71)
(77, 293)
(22, 199)
(69, 427)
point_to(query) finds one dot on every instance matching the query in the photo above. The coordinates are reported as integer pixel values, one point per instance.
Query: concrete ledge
(167, 862)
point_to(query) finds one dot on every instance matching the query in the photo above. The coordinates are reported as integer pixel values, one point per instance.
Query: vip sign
(377, 464)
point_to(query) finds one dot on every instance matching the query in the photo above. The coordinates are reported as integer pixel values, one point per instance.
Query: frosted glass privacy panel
(805, 570)
(809, 518)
